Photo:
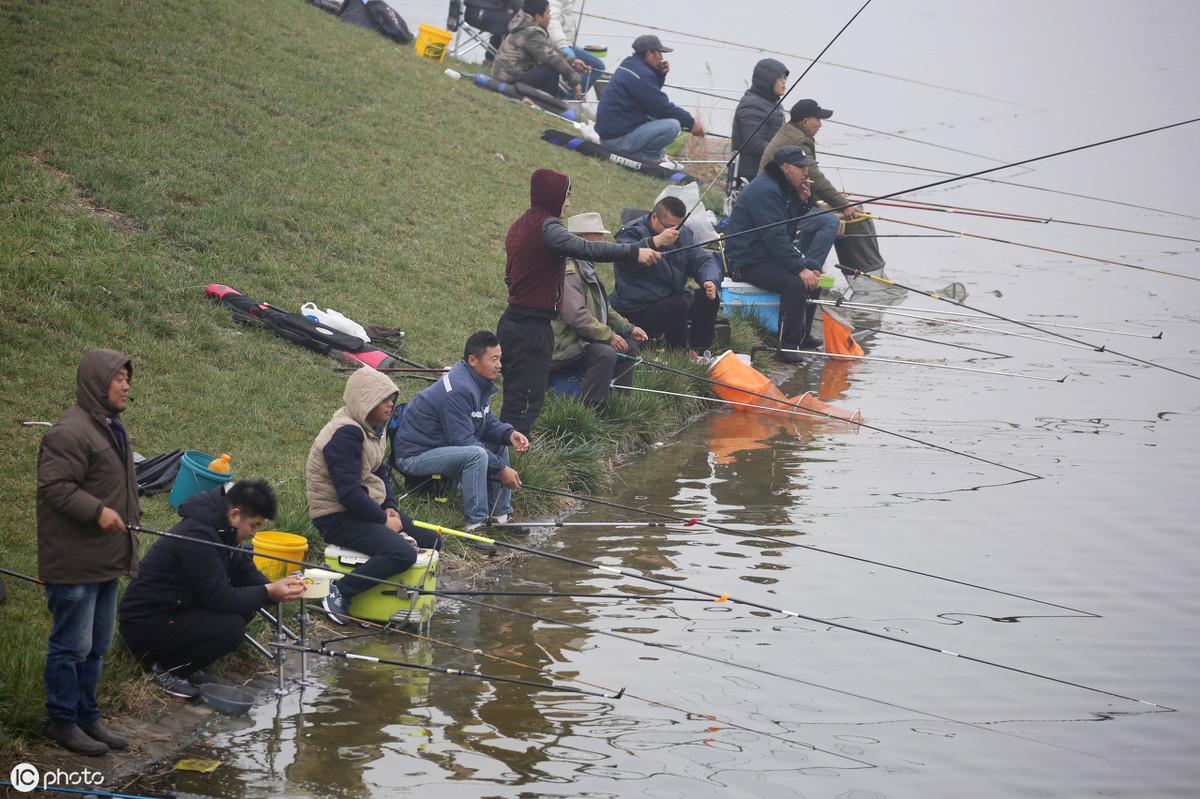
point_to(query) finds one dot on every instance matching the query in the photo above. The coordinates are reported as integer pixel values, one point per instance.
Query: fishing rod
(887, 308)
(863, 70)
(922, 205)
(398, 375)
(774, 539)
(564, 594)
(1097, 259)
(860, 423)
(901, 137)
(903, 362)
(394, 369)
(808, 415)
(406, 664)
(96, 792)
(19, 576)
(932, 341)
(778, 103)
(1078, 342)
(560, 523)
(726, 597)
(1013, 183)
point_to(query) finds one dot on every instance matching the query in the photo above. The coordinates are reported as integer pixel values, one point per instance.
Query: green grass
(145, 153)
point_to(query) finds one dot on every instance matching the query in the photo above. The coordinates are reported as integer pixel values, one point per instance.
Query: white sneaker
(667, 163)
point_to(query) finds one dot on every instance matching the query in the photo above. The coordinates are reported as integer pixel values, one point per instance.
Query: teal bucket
(195, 476)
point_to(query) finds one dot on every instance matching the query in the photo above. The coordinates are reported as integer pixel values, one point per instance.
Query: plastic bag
(333, 319)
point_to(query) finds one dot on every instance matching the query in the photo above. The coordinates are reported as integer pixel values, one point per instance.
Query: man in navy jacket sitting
(449, 429)
(635, 118)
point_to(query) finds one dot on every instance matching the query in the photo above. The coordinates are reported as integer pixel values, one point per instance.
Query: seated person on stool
(350, 496)
(587, 331)
(657, 297)
(190, 602)
(449, 429)
(785, 257)
(527, 56)
(491, 16)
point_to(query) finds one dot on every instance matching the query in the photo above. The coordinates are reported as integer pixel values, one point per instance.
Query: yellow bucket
(432, 42)
(281, 545)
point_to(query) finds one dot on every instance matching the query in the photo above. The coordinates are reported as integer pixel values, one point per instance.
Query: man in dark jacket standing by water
(635, 118)
(758, 116)
(537, 246)
(787, 254)
(191, 602)
(656, 297)
(86, 500)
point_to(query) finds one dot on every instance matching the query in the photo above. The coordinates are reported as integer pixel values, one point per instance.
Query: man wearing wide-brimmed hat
(587, 330)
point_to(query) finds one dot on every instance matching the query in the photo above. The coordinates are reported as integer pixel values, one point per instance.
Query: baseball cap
(647, 42)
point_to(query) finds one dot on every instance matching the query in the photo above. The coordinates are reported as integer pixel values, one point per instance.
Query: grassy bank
(147, 152)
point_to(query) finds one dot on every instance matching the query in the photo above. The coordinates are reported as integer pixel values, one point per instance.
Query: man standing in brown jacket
(86, 500)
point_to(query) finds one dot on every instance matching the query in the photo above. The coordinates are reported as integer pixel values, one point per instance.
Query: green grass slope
(147, 150)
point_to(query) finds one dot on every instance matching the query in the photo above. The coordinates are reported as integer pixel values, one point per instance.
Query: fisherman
(787, 254)
(350, 497)
(489, 16)
(635, 118)
(191, 602)
(537, 245)
(527, 56)
(758, 116)
(587, 331)
(563, 30)
(657, 297)
(86, 500)
(859, 249)
(449, 429)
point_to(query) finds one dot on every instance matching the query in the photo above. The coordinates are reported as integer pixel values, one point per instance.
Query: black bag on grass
(377, 16)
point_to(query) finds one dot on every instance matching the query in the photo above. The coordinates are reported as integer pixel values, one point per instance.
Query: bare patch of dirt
(117, 220)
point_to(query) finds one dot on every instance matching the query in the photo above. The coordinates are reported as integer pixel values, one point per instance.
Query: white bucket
(317, 582)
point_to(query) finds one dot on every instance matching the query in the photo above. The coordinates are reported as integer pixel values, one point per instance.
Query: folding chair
(477, 23)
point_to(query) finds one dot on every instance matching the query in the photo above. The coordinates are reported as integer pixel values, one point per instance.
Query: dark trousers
(84, 617)
(604, 367)
(389, 554)
(544, 77)
(184, 642)
(795, 312)
(687, 319)
(527, 345)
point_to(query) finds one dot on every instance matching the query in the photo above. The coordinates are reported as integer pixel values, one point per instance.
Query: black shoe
(811, 342)
(199, 677)
(790, 357)
(68, 735)
(98, 732)
(487, 549)
(173, 684)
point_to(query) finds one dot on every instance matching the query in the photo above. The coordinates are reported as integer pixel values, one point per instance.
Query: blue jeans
(470, 466)
(84, 618)
(646, 142)
(588, 78)
(815, 234)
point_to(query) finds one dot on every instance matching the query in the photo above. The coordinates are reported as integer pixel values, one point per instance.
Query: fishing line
(730, 530)
(981, 237)
(923, 205)
(726, 597)
(917, 141)
(1013, 183)
(913, 439)
(769, 114)
(902, 362)
(863, 70)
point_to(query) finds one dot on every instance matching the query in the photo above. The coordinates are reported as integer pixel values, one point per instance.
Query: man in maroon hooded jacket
(538, 245)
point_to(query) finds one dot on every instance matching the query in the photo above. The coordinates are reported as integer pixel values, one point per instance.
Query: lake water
(800, 708)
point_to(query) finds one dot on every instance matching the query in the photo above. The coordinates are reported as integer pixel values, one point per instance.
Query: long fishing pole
(406, 664)
(1040, 248)
(860, 423)
(1014, 184)
(560, 523)
(1008, 216)
(778, 103)
(733, 403)
(902, 362)
(863, 70)
(887, 308)
(774, 539)
(727, 597)
(931, 341)
(95, 792)
(564, 594)
(1097, 348)
(19, 576)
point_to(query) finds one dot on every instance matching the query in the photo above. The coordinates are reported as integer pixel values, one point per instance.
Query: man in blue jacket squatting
(449, 429)
(350, 496)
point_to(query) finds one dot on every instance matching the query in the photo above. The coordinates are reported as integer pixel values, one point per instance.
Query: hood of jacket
(519, 21)
(365, 389)
(208, 509)
(766, 72)
(93, 377)
(548, 191)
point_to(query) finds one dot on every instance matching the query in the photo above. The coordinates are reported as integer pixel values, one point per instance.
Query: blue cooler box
(752, 300)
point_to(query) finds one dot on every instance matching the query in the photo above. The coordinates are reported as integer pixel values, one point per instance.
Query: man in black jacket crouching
(191, 602)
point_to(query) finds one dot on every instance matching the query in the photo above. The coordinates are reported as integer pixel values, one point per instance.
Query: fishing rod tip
(1062, 379)
(620, 694)
(1160, 334)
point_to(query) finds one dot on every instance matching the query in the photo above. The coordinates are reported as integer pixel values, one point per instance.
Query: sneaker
(173, 684)
(68, 735)
(667, 163)
(336, 606)
(98, 732)
(789, 357)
